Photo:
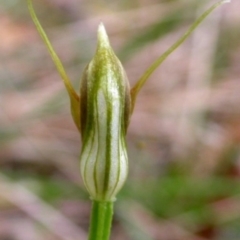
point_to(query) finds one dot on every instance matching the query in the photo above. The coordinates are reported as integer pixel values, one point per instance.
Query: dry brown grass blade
(40, 211)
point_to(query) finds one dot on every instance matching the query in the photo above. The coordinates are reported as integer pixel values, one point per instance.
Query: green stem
(101, 220)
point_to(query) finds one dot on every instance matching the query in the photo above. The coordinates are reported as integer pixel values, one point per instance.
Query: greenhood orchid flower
(105, 110)
(102, 110)
(101, 113)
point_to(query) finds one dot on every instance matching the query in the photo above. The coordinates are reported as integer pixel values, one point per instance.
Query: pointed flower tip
(102, 36)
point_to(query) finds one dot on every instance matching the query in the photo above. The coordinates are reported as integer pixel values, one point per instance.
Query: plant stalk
(101, 220)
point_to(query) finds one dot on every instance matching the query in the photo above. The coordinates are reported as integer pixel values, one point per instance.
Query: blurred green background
(184, 136)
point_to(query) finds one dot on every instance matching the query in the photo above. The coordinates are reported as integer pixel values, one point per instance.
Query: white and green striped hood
(105, 108)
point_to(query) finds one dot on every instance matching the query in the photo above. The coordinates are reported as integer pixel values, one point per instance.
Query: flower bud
(105, 110)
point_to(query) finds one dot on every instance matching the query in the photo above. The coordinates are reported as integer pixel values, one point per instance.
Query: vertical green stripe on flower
(105, 104)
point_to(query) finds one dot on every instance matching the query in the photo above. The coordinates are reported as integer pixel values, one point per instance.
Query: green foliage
(227, 44)
(50, 188)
